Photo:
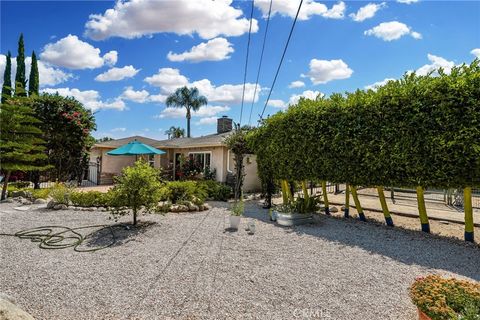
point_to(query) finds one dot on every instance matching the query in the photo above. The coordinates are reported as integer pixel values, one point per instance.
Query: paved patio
(186, 266)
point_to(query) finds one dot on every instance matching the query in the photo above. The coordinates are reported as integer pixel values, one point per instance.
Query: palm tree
(175, 132)
(188, 98)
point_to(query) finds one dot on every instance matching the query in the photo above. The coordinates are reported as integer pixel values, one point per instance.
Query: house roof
(211, 140)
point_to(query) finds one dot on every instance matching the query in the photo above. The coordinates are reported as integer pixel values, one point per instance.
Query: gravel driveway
(187, 266)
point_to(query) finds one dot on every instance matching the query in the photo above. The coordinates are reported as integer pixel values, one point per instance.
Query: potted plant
(438, 298)
(296, 212)
(237, 212)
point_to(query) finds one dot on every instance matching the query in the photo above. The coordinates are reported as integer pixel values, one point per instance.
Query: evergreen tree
(7, 79)
(20, 143)
(20, 80)
(33, 82)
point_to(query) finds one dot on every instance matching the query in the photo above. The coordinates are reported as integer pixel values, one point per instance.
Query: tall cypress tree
(20, 80)
(33, 82)
(7, 79)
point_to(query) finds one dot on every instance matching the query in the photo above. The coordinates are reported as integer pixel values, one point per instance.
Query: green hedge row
(416, 131)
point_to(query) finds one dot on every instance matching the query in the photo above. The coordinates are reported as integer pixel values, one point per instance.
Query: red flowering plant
(66, 125)
(445, 299)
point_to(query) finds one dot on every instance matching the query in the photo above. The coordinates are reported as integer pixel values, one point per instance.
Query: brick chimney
(224, 124)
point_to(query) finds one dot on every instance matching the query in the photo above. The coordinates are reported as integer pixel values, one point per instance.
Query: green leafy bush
(216, 190)
(40, 193)
(19, 184)
(446, 299)
(137, 188)
(186, 191)
(60, 193)
(88, 199)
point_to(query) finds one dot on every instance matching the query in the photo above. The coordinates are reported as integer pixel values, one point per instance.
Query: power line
(246, 63)
(281, 60)
(260, 64)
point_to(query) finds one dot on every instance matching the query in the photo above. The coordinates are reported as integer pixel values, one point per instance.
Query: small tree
(237, 143)
(7, 78)
(20, 79)
(34, 80)
(21, 147)
(137, 188)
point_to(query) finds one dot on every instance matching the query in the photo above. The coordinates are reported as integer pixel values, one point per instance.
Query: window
(202, 158)
(151, 160)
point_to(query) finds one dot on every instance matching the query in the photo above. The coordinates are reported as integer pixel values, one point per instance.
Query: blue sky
(122, 59)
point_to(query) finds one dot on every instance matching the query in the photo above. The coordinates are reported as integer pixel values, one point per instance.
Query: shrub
(186, 191)
(60, 193)
(443, 299)
(40, 193)
(88, 199)
(215, 190)
(138, 187)
(19, 184)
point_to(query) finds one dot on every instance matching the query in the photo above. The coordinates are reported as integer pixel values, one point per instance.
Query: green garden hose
(60, 237)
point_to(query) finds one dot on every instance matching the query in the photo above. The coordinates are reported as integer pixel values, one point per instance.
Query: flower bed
(443, 299)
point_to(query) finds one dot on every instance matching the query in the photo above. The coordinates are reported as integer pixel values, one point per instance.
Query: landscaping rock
(40, 201)
(174, 208)
(60, 206)
(26, 202)
(193, 207)
(183, 208)
(51, 204)
(8, 200)
(333, 209)
(206, 206)
(9, 311)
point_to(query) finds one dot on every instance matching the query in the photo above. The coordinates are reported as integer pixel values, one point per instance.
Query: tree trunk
(325, 198)
(383, 202)
(5, 183)
(347, 201)
(36, 179)
(134, 216)
(188, 122)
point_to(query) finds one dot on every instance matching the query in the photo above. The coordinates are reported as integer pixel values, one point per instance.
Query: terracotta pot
(422, 315)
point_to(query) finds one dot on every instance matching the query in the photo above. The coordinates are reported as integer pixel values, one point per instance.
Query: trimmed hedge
(416, 131)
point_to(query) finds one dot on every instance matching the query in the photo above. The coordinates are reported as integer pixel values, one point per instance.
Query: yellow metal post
(383, 202)
(422, 209)
(467, 206)
(305, 190)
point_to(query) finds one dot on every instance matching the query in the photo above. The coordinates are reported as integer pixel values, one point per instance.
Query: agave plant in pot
(236, 214)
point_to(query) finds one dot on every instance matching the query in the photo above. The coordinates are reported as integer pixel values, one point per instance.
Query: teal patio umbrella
(135, 148)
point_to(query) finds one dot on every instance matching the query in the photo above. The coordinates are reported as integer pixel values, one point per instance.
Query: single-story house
(208, 150)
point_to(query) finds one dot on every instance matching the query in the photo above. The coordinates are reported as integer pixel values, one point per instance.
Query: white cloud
(377, 84)
(367, 12)
(436, 63)
(207, 121)
(476, 52)
(407, 1)
(323, 71)
(157, 98)
(117, 74)
(308, 94)
(140, 96)
(392, 30)
(214, 50)
(169, 79)
(204, 111)
(48, 75)
(296, 84)
(89, 98)
(136, 18)
(277, 103)
(288, 8)
(73, 53)
(118, 130)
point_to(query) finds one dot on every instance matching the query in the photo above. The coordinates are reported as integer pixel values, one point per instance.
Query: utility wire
(246, 63)
(260, 64)
(281, 60)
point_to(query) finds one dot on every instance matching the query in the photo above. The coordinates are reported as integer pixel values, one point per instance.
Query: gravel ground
(187, 266)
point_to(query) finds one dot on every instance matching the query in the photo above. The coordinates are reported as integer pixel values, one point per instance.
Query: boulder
(60, 206)
(333, 209)
(40, 201)
(19, 193)
(8, 200)
(175, 208)
(9, 311)
(26, 202)
(206, 206)
(193, 207)
(51, 204)
(183, 208)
